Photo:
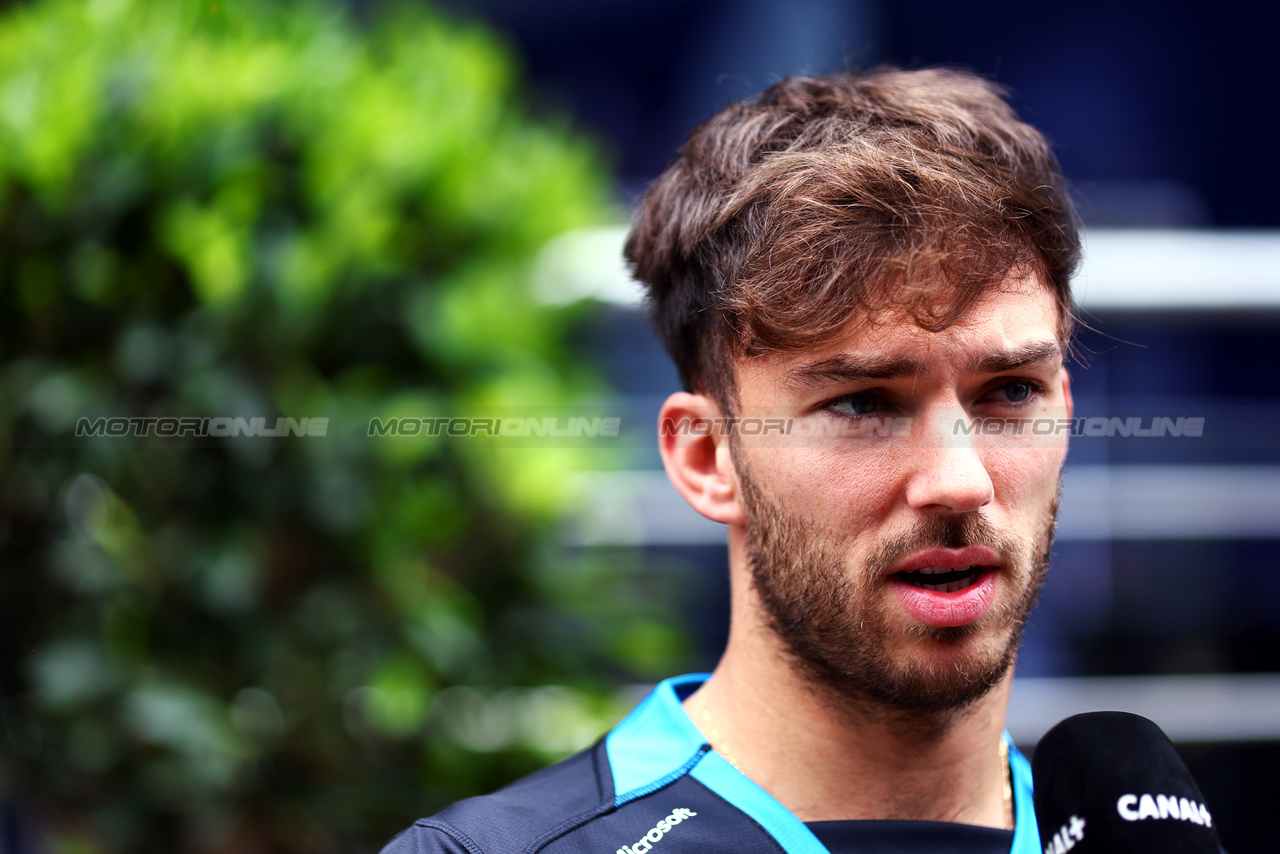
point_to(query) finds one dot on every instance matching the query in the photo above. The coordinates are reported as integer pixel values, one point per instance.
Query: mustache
(948, 532)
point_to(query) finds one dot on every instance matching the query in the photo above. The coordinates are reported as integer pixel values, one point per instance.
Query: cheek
(835, 488)
(1025, 475)
(867, 484)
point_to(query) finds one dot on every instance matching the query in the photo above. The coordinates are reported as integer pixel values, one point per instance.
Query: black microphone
(1112, 783)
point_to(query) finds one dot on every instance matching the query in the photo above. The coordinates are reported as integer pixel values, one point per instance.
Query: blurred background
(342, 213)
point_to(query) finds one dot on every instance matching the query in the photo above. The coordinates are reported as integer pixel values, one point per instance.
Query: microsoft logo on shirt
(659, 830)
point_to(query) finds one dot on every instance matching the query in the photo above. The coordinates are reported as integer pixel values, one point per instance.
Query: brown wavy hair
(825, 199)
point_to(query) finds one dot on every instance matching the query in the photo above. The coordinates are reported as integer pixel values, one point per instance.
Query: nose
(948, 472)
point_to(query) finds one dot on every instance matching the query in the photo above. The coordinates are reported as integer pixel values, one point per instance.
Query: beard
(833, 620)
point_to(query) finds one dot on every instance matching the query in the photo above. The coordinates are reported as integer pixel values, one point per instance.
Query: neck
(826, 757)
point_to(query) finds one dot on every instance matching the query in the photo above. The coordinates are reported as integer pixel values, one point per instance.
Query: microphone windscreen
(1113, 782)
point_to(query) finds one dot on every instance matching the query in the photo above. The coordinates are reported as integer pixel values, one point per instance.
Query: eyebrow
(843, 368)
(1031, 353)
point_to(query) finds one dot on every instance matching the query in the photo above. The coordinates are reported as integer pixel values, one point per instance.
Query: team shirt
(654, 786)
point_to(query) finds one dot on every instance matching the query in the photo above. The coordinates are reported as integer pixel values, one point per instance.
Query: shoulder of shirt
(525, 816)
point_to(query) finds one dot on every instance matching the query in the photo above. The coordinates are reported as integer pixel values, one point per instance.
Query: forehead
(1015, 321)
(1013, 311)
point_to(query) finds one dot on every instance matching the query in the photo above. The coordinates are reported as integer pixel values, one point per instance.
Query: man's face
(895, 549)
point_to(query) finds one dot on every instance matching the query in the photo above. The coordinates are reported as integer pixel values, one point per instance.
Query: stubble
(832, 618)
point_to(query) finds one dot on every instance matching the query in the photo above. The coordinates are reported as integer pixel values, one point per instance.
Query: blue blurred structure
(1159, 111)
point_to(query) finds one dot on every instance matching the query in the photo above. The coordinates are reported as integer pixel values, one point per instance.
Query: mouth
(948, 587)
(942, 579)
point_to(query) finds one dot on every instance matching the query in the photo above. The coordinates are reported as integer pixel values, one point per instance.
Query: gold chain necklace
(719, 745)
(713, 734)
(1008, 785)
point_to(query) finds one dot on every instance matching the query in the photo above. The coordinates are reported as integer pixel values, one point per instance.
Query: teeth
(950, 586)
(935, 570)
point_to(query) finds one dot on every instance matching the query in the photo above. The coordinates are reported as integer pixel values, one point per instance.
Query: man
(864, 283)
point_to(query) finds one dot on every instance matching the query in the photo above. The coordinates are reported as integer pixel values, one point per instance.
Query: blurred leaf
(246, 214)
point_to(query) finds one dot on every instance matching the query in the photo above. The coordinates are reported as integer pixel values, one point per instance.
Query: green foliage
(219, 209)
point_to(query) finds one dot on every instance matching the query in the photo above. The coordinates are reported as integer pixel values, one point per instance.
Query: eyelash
(1036, 390)
(864, 396)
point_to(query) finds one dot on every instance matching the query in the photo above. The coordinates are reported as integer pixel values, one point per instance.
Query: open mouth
(943, 580)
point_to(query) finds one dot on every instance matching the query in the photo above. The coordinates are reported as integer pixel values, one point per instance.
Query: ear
(694, 441)
(1066, 393)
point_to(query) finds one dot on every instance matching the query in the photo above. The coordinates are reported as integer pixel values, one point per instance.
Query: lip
(948, 559)
(942, 610)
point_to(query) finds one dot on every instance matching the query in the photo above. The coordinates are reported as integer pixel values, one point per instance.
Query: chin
(944, 680)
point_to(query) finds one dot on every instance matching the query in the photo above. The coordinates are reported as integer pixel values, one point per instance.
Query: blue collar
(657, 743)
